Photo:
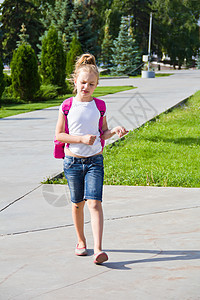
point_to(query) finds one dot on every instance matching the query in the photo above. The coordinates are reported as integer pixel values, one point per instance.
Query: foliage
(7, 80)
(23, 36)
(80, 25)
(58, 15)
(174, 32)
(24, 70)
(178, 30)
(75, 50)
(42, 4)
(2, 82)
(138, 13)
(47, 92)
(126, 55)
(14, 13)
(96, 12)
(53, 60)
(107, 44)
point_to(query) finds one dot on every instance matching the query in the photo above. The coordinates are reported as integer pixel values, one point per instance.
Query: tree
(53, 60)
(138, 11)
(23, 37)
(178, 26)
(14, 13)
(42, 3)
(2, 84)
(107, 44)
(58, 15)
(81, 25)
(75, 50)
(24, 70)
(96, 12)
(126, 55)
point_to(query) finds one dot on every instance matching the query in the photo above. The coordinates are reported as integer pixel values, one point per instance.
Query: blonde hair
(85, 62)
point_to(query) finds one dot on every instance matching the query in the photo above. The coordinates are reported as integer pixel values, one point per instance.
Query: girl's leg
(96, 213)
(78, 218)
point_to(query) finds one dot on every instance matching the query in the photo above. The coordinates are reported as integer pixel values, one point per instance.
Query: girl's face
(86, 82)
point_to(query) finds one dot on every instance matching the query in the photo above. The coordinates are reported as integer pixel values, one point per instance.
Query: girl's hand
(120, 131)
(88, 139)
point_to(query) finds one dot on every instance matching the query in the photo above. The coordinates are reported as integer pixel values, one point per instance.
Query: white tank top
(83, 118)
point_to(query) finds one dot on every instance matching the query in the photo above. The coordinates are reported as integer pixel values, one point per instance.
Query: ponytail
(86, 62)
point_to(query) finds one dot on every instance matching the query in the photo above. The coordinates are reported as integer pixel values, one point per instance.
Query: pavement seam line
(88, 278)
(71, 284)
(13, 273)
(152, 213)
(21, 197)
(106, 219)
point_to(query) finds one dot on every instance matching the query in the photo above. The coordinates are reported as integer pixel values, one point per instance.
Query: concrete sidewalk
(152, 235)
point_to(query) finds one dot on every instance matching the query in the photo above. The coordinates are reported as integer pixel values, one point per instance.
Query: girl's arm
(63, 137)
(108, 133)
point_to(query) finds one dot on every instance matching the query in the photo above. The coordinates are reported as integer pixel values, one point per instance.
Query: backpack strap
(101, 106)
(65, 108)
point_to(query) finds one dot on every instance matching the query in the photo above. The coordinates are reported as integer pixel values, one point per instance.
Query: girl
(83, 162)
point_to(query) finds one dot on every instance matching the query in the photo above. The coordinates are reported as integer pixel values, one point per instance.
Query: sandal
(81, 251)
(100, 257)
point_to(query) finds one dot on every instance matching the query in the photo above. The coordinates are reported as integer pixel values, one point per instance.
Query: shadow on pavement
(169, 256)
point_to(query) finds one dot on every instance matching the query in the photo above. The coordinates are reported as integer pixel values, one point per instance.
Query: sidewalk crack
(21, 197)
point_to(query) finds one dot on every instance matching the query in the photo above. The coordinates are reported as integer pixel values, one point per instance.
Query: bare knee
(94, 204)
(79, 205)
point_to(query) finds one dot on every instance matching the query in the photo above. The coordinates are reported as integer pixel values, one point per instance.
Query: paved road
(151, 235)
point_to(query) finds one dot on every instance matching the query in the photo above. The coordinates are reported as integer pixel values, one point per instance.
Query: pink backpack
(59, 146)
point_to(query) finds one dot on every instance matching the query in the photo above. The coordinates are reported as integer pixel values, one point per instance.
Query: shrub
(75, 50)
(24, 70)
(7, 80)
(53, 60)
(47, 91)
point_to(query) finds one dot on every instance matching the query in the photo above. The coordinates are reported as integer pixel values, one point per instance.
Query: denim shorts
(85, 177)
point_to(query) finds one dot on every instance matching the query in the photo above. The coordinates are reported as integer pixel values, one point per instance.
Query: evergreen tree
(75, 50)
(81, 25)
(139, 10)
(23, 37)
(24, 70)
(2, 84)
(58, 15)
(53, 60)
(96, 12)
(107, 44)
(126, 55)
(13, 14)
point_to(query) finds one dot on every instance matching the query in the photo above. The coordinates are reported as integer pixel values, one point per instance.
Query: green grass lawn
(18, 108)
(164, 152)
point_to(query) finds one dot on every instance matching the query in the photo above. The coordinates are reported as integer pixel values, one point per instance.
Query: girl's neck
(83, 99)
